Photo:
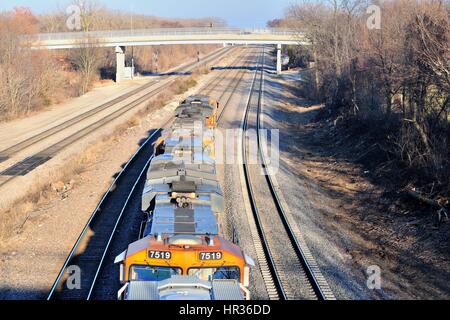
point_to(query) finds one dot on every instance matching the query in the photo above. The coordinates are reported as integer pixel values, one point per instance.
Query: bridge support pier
(120, 63)
(278, 58)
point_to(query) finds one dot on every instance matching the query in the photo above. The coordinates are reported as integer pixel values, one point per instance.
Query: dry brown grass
(201, 71)
(182, 85)
(134, 121)
(14, 218)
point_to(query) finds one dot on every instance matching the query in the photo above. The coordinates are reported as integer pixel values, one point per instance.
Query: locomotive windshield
(152, 273)
(215, 273)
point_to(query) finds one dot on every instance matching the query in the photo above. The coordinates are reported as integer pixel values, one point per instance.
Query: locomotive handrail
(189, 233)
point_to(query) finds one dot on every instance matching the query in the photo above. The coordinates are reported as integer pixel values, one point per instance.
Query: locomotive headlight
(183, 202)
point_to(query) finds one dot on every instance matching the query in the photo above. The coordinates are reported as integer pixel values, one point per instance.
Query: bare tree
(89, 14)
(86, 59)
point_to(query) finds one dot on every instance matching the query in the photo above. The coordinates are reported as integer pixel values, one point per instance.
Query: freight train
(181, 252)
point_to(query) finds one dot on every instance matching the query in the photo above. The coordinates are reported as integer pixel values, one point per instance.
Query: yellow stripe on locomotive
(208, 258)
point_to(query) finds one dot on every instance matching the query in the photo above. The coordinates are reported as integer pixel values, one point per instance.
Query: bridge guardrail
(159, 32)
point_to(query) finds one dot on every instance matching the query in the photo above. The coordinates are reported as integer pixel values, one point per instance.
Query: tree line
(383, 64)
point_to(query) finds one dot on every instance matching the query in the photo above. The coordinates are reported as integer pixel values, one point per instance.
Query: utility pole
(132, 47)
(155, 60)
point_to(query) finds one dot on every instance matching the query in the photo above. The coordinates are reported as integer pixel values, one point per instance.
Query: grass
(201, 71)
(15, 217)
(182, 85)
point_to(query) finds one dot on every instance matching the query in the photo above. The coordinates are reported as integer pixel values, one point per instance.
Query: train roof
(166, 176)
(168, 163)
(198, 98)
(184, 288)
(194, 111)
(195, 106)
(181, 177)
(168, 219)
(183, 143)
(183, 186)
(185, 131)
(190, 122)
(208, 195)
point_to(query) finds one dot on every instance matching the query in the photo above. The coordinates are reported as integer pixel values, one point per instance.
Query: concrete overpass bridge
(120, 39)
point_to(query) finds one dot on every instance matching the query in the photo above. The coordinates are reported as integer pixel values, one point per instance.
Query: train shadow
(250, 68)
(9, 293)
(162, 74)
(266, 69)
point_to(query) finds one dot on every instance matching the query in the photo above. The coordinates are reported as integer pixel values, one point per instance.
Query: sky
(237, 13)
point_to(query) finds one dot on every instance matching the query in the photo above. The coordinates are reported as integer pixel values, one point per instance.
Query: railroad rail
(209, 87)
(30, 163)
(98, 242)
(292, 272)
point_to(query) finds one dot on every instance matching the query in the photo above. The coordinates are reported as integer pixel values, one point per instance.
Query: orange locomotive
(205, 257)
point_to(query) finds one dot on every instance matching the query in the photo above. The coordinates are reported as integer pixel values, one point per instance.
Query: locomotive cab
(205, 257)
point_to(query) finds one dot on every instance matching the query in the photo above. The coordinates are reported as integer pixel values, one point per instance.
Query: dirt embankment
(366, 219)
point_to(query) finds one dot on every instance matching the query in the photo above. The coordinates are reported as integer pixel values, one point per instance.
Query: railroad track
(288, 268)
(112, 226)
(232, 83)
(208, 89)
(28, 164)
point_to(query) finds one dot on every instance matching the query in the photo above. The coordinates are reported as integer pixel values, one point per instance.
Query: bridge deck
(166, 36)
